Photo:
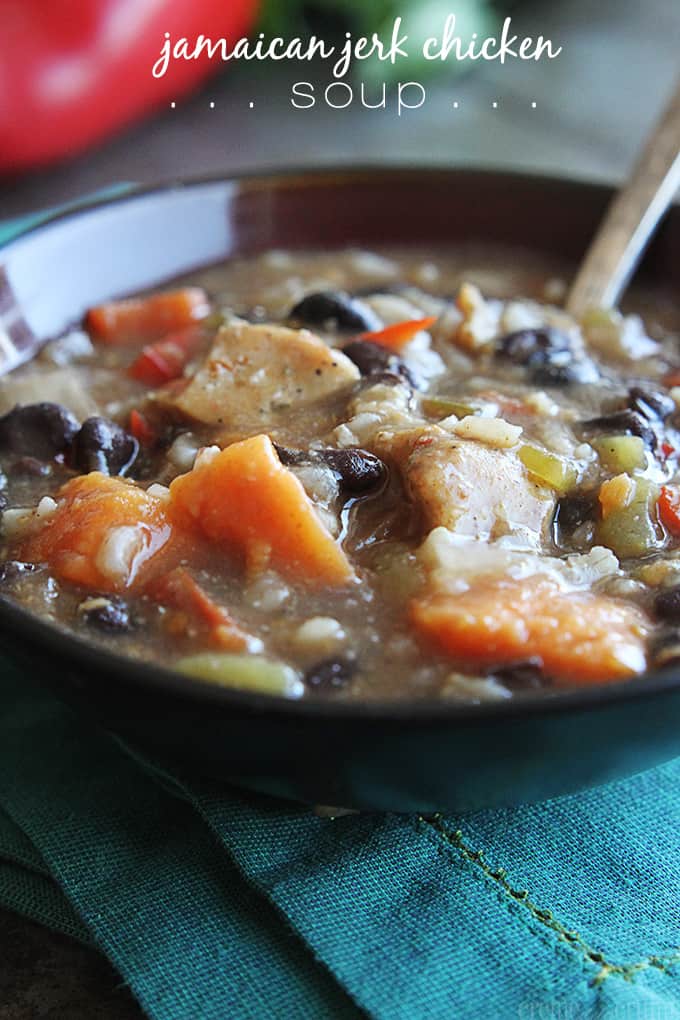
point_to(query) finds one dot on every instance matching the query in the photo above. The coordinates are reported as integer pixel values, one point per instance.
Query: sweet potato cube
(245, 500)
(104, 533)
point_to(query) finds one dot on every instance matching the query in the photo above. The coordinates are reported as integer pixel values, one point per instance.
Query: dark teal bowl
(402, 756)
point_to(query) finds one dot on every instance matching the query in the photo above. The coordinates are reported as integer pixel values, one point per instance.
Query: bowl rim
(144, 675)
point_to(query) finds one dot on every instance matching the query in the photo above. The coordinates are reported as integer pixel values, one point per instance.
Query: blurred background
(79, 109)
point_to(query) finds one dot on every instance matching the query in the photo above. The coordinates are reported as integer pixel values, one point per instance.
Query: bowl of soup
(309, 482)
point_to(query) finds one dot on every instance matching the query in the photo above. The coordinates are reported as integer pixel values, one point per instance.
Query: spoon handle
(630, 219)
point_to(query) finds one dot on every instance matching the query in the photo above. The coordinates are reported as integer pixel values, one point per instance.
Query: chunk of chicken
(469, 487)
(259, 374)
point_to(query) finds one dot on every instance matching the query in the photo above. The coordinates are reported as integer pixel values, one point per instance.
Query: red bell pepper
(140, 428)
(197, 612)
(396, 336)
(73, 73)
(166, 359)
(669, 508)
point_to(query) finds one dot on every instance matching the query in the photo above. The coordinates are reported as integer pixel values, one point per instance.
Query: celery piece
(548, 469)
(243, 673)
(442, 407)
(632, 530)
(620, 453)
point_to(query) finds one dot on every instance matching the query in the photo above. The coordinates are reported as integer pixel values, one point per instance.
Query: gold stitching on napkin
(545, 917)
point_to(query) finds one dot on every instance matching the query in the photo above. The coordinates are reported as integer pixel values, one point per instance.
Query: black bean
(555, 373)
(358, 470)
(101, 445)
(387, 378)
(372, 359)
(572, 511)
(335, 308)
(523, 676)
(624, 421)
(39, 430)
(111, 615)
(650, 403)
(292, 458)
(667, 604)
(10, 570)
(331, 674)
(529, 346)
(548, 356)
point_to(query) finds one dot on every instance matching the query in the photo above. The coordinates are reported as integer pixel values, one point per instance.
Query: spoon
(630, 219)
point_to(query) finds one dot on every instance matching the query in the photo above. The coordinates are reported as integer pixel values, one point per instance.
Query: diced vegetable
(180, 591)
(147, 318)
(669, 508)
(616, 494)
(166, 359)
(140, 429)
(104, 534)
(579, 638)
(243, 672)
(629, 519)
(442, 407)
(620, 453)
(548, 469)
(244, 499)
(396, 336)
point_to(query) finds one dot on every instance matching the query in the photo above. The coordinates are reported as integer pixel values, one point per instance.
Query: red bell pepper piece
(73, 73)
(669, 508)
(140, 429)
(179, 591)
(166, 359)
(396, 336)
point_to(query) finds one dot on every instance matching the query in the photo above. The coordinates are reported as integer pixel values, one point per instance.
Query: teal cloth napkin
(214, 904)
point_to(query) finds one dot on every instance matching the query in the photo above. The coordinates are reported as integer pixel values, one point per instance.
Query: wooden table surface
(593, 106)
